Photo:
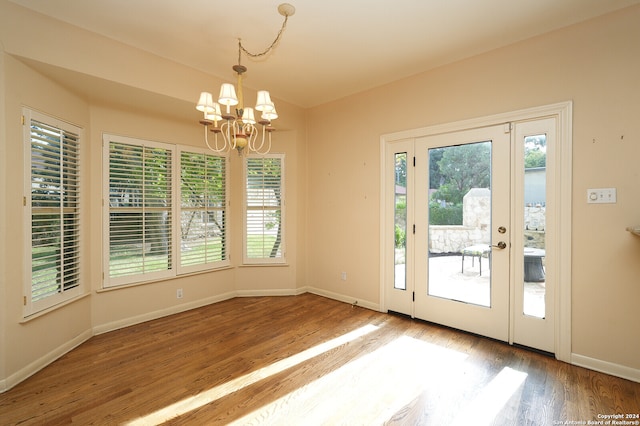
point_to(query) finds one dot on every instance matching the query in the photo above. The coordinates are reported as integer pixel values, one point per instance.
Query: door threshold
(529, 348)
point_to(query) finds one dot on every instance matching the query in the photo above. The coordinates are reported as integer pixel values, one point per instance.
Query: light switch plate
(601, 195)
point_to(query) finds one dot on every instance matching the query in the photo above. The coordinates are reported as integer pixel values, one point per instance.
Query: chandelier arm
(258, 149)
(250, 132)
(266, 151)
(269, 147)
(252, 135)
(206, 140)
(224, 131)
(252, 144)
(232, 134)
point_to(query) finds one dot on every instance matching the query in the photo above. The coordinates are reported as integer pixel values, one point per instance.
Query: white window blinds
(140, 210)
(53, 201)
(203, 211)
(264, 215)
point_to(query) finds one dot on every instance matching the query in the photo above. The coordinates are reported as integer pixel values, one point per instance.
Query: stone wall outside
(476, 227)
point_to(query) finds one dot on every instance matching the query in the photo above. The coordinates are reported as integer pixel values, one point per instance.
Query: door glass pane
(460, 223)
(535, 160)
(400, 221)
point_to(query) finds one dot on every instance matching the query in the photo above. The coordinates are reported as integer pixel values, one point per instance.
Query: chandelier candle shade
(238, 129)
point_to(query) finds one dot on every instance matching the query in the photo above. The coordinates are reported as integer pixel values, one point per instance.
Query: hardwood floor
(308, 360)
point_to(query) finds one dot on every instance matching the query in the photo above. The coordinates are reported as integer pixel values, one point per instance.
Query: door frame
(563, 112)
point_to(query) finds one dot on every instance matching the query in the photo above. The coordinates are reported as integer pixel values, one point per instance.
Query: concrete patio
(447, 280)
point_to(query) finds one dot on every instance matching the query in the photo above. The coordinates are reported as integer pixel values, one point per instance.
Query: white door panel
(446, 293)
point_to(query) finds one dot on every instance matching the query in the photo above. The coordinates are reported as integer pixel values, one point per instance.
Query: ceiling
(330, 48)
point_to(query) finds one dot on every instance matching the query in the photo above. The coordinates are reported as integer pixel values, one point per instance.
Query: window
(140, 203)
(52, 201)
(263, 209)
(149, 234)
(203, 211)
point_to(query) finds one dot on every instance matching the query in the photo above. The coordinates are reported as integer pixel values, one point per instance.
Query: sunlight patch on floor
(493, 397)
(213, 394)
(368, 390)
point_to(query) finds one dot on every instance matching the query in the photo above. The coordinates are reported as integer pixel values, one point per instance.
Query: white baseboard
(29, 370)
(606, 367)
(343, 298)
(37, 365)
(272, 292)
(126, 322)
(48, 358)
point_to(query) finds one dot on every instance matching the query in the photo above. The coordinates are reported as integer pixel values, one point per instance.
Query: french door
(472, 237)
(471, 300)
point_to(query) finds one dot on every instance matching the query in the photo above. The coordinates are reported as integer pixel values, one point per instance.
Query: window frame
(63, 294)
(175, 269)
(225, 261)
(117, 281)
(279, 260)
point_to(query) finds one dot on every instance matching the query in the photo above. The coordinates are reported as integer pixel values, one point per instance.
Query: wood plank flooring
(308, 360)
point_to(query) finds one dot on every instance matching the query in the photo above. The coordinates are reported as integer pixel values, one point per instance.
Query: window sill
(159, 280)
(260, 265)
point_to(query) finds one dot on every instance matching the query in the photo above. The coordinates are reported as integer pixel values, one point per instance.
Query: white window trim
(266, 260)
(175, 270)
(33, 307)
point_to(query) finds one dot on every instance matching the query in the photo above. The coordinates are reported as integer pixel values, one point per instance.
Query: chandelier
(241, 130)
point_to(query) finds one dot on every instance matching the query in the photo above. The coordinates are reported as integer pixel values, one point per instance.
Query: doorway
(462, 181)
(474, 212)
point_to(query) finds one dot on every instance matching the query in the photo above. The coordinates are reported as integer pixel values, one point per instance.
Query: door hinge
(24, 201)
(414, 161)
(414, 229)
(508, 127)
(414, 296)
(22, 120)
(24, 300)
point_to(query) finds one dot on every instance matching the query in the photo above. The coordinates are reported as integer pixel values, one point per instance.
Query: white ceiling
(330, 48)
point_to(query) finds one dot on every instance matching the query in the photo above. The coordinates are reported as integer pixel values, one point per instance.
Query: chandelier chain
(241, 48)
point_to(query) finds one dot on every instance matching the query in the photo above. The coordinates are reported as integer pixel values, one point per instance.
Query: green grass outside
(126, 260)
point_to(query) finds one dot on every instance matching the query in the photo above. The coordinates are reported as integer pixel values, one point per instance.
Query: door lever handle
(501, 245)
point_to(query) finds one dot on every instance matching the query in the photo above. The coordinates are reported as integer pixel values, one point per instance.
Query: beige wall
(106, 87)
(27, 342)
(3, 221)
(114, 307)
(596, 65)
(332, 172)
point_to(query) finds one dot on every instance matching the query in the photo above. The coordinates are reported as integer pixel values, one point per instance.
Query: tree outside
(455, 170)
(264, 207)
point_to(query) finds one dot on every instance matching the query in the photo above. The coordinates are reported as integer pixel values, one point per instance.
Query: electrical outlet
(179, 293)
(343, 276)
